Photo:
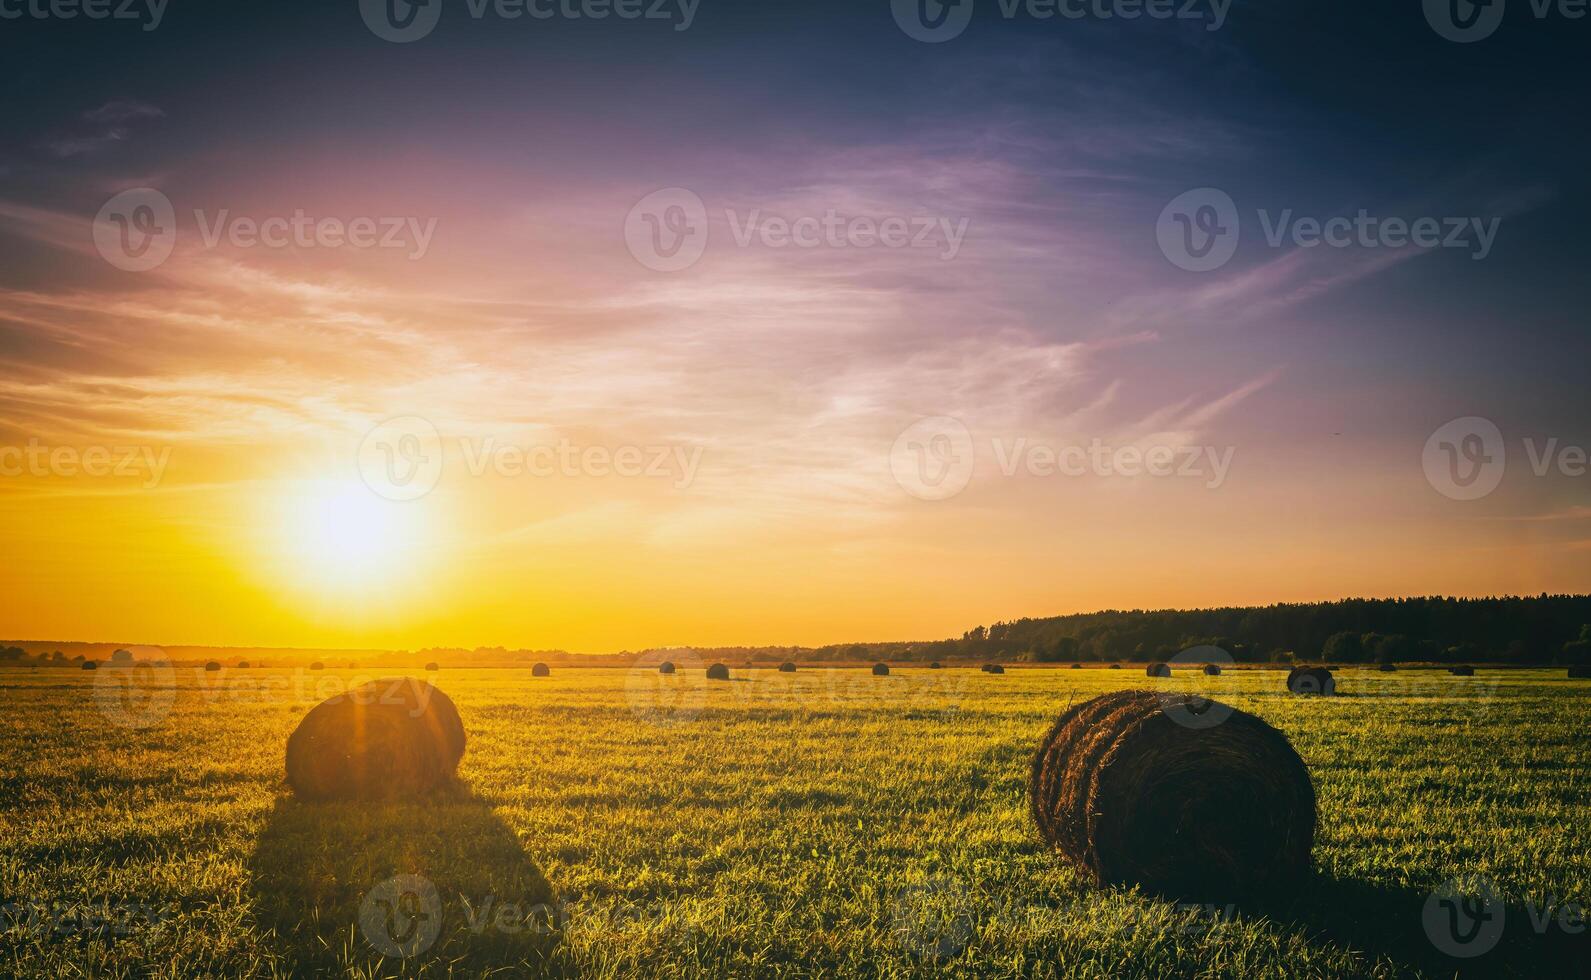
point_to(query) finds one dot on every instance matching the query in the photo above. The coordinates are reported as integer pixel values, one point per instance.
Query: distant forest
(1526, 630)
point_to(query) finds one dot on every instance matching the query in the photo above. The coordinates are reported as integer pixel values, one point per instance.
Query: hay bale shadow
(432, 887)
(1391, 922)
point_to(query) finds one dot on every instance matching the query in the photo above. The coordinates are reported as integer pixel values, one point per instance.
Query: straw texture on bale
(389, 739)
(1463, 671)
(787, 668)
(1213, 670)
(1130, 792)
(666, 667)
(1311, 680)
(881, 670)
(1158, 670)
(540, 670)
(718, 672)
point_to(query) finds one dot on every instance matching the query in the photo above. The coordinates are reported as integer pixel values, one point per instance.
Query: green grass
(820, 823)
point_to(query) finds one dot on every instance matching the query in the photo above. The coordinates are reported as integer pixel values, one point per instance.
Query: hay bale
(212, 665)
(243, 665)
(936, 665)
(121, 657)
(666, 667)
(881, 670)
(390, 739)
(718, 672)
(90, 665)
(1077, 666)
(1311, 680)
(1131, 793)
(317, 665)
(1212, 670)
(1115, 666)
(1580, 671)
(540, 670)
(787, 668)
(432, 666)
(994, 669)
(1158, 670)
(1388, 668)
(1463, 670)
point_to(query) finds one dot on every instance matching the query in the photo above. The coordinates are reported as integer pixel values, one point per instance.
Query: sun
(341, 536)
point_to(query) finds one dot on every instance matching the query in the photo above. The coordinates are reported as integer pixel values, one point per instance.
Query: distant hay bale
(317, 665)
(881, 670)
(1077, 666)
(994, 669)
(1463, 670)
(1115, 666)
(1212, 670)
(390, 739)
(212, 665)
(936, 665)
(121, 657)
(90, 665)
(1311, 680)
(243, 665)
(666, 667)
(1388, 668)
(1580, 671)
(787, 668)
(432, 666)
(540, 670)
(1158, 670)
(718, 672)
(1131, 792)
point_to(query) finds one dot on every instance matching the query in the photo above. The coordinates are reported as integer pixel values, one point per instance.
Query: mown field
(827, 822)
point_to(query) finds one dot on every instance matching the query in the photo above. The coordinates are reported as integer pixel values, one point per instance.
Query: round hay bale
(432, 666)
(936, 665)
(317, 665)
(121, 657)
(881, 670)
(1131, 792)
(1158, 670)
(212, 665)
(390, 739)
(1115, 666)
(995, 669)
(1463, 670)
(243, 665)
(1311, 680)
(787, 668)
(1388, 668)
(1580, 671)
(718, 672)
(666, 667)
(90, 665)
(1212, 670)
(1077, 666)
(540, 670)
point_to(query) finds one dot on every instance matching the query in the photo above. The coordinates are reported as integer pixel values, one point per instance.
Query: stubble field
(826, 822)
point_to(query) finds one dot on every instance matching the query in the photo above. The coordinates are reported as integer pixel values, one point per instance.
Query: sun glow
(343, 538)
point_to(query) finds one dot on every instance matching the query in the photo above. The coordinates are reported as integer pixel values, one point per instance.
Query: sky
(765, 323)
